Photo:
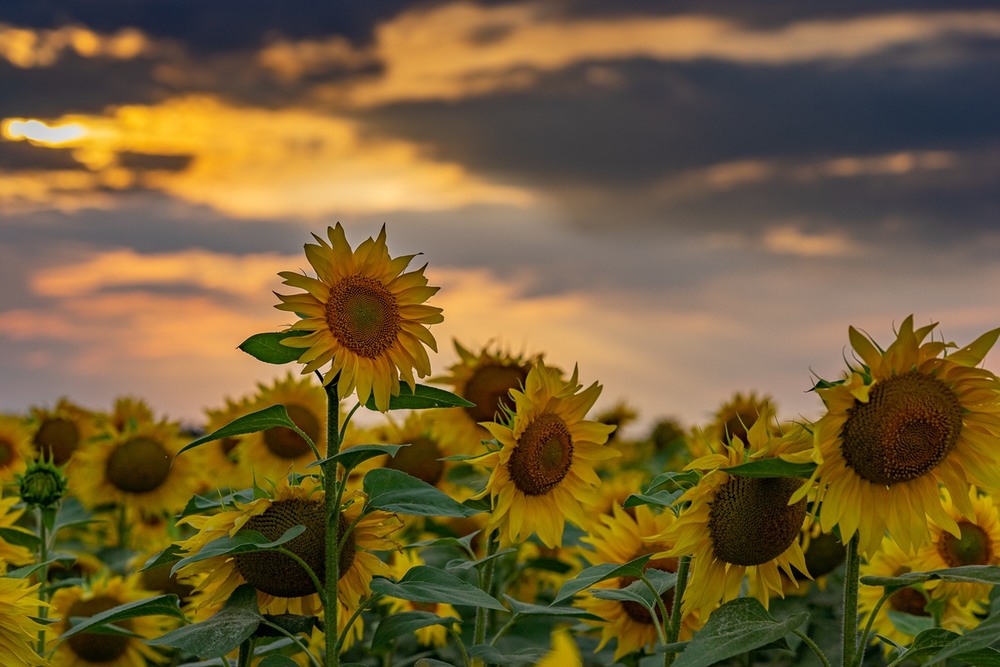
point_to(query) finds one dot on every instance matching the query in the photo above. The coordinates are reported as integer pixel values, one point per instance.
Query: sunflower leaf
(772, 467)
(242, 542)
(221, 633)
(526, 609)
(737, 627)
(421, 398)
(398, 625)
(493, 656)
(269, 417)
(395, 491)
(277, 661)
(658, 499)
(973, 641)
(267, 347)
(597, 573)
(351, 457)
(160, 605)
(19, 536)
(424, 583)
(171, 554)
(980, 574)
(672, 481)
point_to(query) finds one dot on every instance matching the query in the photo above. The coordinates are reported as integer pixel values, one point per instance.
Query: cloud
(26, 47)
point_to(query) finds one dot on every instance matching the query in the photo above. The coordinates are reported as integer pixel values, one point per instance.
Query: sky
(684, 199)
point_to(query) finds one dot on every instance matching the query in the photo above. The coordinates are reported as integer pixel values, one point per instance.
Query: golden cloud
(24, 48)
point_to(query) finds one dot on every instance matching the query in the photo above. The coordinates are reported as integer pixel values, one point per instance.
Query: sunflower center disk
(139, 465)
(421, 459)
(543, 456)
(638, 612)
(277, 574)
(972, 548)
(57, 438)
(908, 426)
(909, 601)
(286, 443)
(91, 646)
(6, 452)
(751, 522)
(363, 315)
(489, 388)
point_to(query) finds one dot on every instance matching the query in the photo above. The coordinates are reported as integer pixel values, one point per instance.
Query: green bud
(42, 485)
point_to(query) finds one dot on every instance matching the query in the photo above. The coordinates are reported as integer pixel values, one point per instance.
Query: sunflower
(137, 467)
(543, 472)
(282, 585)
(978, 543)
(126, 411)
(275, 452)
(222, 456)
(90, 648)
(363, 314)
(905, 422)
(619, 538)
(485, 379)
(60, 431)
(19, 603)
(738, 413)
(564, 653)
(16, 448)
(433, 635)
(891, 561)
(741, 526)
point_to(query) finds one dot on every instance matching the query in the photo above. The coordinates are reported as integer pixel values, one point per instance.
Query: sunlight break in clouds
(789, 240)
(461, 49)
(25, 48)
(250, 162)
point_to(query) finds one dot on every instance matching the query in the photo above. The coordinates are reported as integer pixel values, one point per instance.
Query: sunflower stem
(486, 584)
(661, 608)
(457, 636)
(852, 578)
(332, 493)
(43, 572)
(676, 613)
(812, 645)
(246, 653)
(868, 626)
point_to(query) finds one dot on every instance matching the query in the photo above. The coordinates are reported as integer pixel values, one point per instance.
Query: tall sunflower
(741, 526)
(91, 649)
(16, 448)
(619, 538)
(19, 603)
(363, 315)
(282, 585)
(543, 472)
(904, 422)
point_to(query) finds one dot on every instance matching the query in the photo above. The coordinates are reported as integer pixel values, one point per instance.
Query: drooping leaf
(424, 583)
(395, 491)
(171, 554)
(269, 417)
(421, 398)
(20, 537)
(404, 623)
(267, 347)
(221, 633)
(981, 637)
(658, 499)
(244, 541)
(160, 605)
(592, 575)
(772, 467)
(736, 627)
(351, 457)
(528, 609)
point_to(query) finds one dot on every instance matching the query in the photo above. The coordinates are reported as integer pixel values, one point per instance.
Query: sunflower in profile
(90, 649)
(16, 448)
(432, 635)
(363, 314)
(19, 604)
(904, 422)
(484, 378)
(737, 526)
(620, 538)
(543, 472)
(137, 467)
(978, 543)
(282, 585)
(918, 600)
(277, 451)
(60, 431)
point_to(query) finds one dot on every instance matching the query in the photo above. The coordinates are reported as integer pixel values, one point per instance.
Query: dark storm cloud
(18, 155)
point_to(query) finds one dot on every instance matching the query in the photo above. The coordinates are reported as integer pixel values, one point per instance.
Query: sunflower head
(363, 314)
(60, 431)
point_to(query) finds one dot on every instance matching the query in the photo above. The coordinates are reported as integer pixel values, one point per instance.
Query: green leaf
(267, 347)
(424, 583)
(461, 564)
(161, 605)
(422, 398)
(269, 417)
(290, 624)
(277, 661)
(736, 627)
(658, 499)
(930, 642)
(492, 656)
(910, 624)
(980, 574)
(395, 491)
(772, 467)
(982, 636)
(351, 457)
(673, 481)
(527, 609)
(20, 537)
(398, 625)
(221, 633)
(242, 542)
(597, 573)
(171, 554)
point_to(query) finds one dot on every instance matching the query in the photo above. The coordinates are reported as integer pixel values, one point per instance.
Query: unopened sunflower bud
(42, 485)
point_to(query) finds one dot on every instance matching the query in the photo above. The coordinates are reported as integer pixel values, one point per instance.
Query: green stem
(246, 653)
(852, 577)
(868, 626)
(457, 636)
(660, 607)
(486, 584)
(677, 614)
(812, 645)
(333, 490)
(296, 640)
(42, 516)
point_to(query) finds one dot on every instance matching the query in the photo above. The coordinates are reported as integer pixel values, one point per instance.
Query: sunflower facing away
(282, 585)
(18, 632)
(736, 526)
(543, 472)
(363, 315)
(907, 420)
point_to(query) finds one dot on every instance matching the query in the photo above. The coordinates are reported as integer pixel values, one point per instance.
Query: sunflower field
(488, 517)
